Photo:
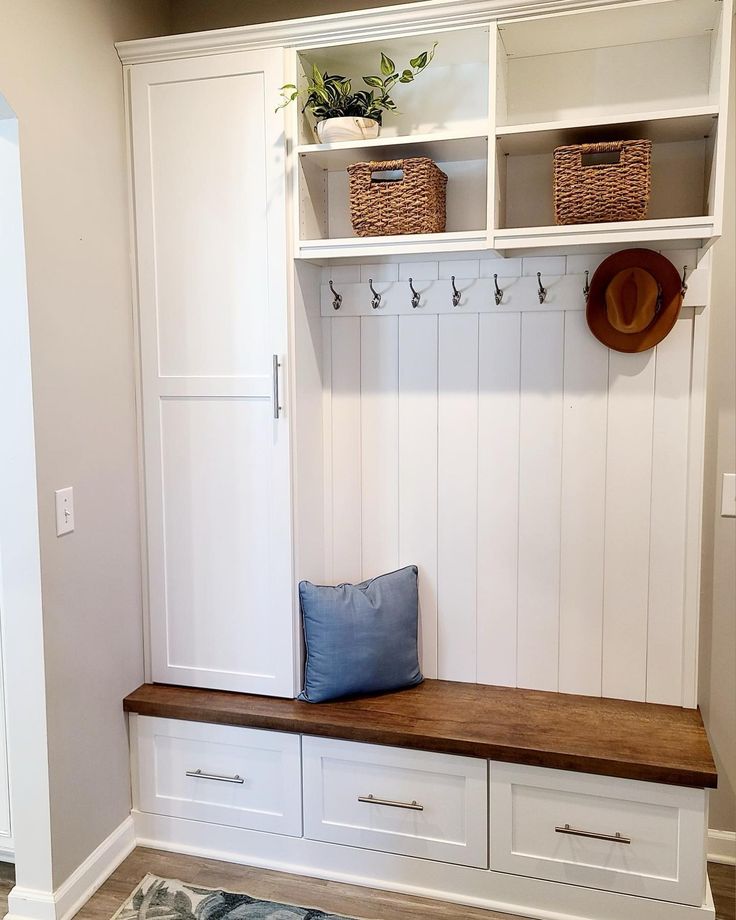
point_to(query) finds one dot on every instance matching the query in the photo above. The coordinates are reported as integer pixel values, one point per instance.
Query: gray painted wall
(61, 74)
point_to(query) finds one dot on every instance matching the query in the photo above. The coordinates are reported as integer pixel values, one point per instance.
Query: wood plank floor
(329, 896)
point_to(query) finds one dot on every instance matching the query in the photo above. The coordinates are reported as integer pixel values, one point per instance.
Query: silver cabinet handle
(198, 774)
(276, 398)
(372, 800)
(575, 832)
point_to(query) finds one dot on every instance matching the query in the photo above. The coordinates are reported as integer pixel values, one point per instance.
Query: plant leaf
(373, 81)
(387, 65)
(420, 61)
(406, 77)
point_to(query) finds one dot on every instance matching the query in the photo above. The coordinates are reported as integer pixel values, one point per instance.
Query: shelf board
(444, 148)
(694, 231)
(367, 246)
(660, 127)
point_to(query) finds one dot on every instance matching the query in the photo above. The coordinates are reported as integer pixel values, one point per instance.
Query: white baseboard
(71, 895)
(499, 891)
(722, 847)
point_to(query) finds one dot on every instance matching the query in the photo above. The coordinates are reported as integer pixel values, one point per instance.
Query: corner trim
(722, 847)
(72, 894)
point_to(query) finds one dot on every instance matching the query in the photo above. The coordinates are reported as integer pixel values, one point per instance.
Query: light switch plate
(728, 495)
(64, 511)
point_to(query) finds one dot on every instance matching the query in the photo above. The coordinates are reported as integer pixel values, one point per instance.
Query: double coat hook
(542, 292)
(415, 296)
(337, 298)
(497, 293)
(376, 299)
(456, 295)
(586, 287)
(683, 286)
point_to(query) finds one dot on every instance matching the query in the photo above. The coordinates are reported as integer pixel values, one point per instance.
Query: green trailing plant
(331, 95)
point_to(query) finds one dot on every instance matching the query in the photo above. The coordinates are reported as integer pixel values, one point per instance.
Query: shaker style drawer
(602, 832)
(221, 774)
(414, 803)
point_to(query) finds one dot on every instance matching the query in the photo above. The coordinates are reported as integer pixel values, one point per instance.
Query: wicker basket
(587, 194)
(412, 203)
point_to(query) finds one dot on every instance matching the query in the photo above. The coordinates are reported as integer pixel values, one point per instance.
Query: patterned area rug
(169, 899)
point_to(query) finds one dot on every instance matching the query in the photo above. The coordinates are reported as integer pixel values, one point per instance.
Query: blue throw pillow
(360, 638)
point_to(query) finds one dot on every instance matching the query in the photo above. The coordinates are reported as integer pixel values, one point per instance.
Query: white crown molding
(722, 847)
(71, 895)
(338, 28)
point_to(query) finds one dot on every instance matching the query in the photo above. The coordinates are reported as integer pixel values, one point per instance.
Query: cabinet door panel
(209, 187)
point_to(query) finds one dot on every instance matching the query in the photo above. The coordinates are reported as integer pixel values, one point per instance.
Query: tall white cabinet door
(209, 195)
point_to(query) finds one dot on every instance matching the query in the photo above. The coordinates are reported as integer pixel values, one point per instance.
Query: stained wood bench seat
(640, 741)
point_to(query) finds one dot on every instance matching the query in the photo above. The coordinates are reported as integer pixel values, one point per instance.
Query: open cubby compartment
(682, 170)
(450, 97)
(324, 187)
(645, 57)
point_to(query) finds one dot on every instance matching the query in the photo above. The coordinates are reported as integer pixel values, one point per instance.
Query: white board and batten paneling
(538, 480)
(209, 195)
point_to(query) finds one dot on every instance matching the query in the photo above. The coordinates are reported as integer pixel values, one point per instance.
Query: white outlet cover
(728, 495)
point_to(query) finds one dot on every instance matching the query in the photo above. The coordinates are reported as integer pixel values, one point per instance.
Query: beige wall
(60, 73)
(718, 610)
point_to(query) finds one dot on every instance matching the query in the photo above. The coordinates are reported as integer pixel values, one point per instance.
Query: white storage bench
(541, 804)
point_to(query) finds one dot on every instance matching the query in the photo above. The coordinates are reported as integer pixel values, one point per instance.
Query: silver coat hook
(498, 293)
(415, 295)
(376, 299)
(683, 288)
(542, 292)
(337, 299)
(586, 288)
(456, 295)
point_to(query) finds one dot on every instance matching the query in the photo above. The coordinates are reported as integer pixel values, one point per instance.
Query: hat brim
(667, 277)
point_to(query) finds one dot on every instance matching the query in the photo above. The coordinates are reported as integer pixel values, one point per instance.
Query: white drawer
(414, 803)
(540, 819)
(221, 774)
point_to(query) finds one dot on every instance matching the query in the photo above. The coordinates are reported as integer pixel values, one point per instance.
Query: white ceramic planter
(332, 130)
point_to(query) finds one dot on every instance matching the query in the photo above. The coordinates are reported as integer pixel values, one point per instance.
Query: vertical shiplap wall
(537, 479)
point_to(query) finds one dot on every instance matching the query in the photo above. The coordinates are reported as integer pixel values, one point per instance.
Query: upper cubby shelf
(653, 71)
(499, 98)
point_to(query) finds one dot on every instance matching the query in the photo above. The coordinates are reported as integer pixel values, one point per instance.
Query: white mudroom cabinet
(208, 158)
(319, 404)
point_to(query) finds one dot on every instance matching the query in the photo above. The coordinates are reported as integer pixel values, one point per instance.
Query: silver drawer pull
(573, 831)
(276, 398)
(198, 774)
(372, 800)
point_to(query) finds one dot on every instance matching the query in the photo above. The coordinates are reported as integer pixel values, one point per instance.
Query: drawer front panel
(600, 832)
(413, 803)
(220, 774)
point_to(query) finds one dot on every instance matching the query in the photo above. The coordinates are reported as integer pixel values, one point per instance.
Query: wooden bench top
(642, 741)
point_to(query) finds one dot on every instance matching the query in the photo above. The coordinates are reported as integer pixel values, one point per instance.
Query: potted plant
(343, 115)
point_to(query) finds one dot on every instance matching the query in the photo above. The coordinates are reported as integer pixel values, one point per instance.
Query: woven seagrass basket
(412, 202)
(589, 192)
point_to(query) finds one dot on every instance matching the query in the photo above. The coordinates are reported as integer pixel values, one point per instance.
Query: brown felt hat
(634, 300)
